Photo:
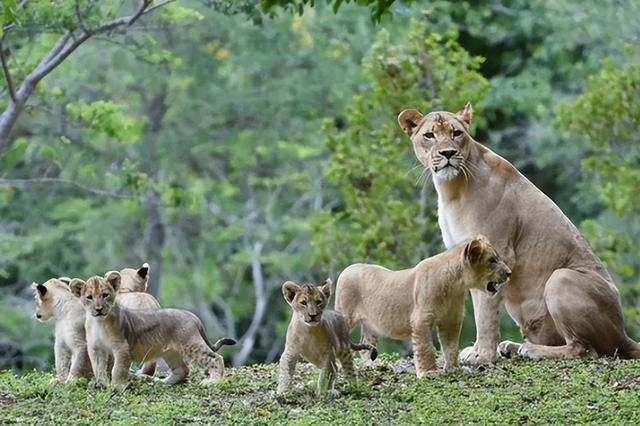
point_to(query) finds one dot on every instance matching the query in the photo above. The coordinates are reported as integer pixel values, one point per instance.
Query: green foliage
(379, 215)
(562, 392)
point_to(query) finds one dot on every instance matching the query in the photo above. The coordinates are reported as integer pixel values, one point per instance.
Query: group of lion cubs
(107, 322)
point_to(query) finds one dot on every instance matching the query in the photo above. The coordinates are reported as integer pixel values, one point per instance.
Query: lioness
(413, 302)
(55, 301)
(141, 334)
(317, 334)
(560, 294)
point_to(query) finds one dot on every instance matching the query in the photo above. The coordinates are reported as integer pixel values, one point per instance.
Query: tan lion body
(316, 334)
(560, 293)
(141, 335)
(413, 302)
(55, 301)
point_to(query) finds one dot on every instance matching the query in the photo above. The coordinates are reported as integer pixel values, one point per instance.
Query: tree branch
(5, 71)
(23, 183)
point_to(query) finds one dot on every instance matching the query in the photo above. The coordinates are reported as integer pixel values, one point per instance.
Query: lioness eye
(90, 297)
(428, 135)
(457, 133)
(303, 302)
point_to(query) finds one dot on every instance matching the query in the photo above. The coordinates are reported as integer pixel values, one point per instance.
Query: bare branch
(5, 71)
(24, 183)
(79, 16)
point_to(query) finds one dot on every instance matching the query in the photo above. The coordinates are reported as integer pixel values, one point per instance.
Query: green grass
(603, 391)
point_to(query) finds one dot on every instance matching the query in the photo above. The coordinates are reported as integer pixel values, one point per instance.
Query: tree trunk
(154, 236)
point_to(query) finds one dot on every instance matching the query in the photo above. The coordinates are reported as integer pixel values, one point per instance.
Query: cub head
(307, 300)
(97, 294)
(46, 297)
(133, 279)
(440, 140)
(488, 270)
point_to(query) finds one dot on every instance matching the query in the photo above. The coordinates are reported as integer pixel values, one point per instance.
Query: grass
(603, 391)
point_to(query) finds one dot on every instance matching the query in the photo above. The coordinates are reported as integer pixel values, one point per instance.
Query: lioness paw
(474, 356)
(508, 348)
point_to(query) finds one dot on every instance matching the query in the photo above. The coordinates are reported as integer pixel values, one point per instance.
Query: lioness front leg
(423, 355)
(486, 311)
(286, 369)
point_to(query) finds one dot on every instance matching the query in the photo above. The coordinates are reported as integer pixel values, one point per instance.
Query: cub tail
(373, 352)
(222, 342)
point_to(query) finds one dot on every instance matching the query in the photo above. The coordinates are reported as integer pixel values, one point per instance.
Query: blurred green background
(236, 144)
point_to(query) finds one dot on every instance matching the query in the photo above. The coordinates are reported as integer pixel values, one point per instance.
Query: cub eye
(493, 260)
(89, 297)
(303, 302)
(105, 294)
(457, 133)
(318, 302)
(428, 135)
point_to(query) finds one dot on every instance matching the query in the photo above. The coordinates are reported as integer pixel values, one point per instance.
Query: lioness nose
(448, 153)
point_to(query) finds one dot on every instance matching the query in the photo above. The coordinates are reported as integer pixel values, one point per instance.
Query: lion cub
(317, 334)
(141, 334)
(54, 300)
(413, 302)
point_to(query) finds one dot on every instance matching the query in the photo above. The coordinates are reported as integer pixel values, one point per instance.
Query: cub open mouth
(493, 286)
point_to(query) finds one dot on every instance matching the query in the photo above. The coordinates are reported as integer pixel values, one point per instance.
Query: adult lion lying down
(560, 293)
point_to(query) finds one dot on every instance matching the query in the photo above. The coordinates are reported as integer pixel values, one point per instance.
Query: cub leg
(99, 364)
(201, 353)
(326, 379)
(423, 354)
(148, 368)
(80, 363)
(63, 362)
(369, 337)
(346, 362)
(449, 337)
(179, 369)
(287, 367)
(120, 371)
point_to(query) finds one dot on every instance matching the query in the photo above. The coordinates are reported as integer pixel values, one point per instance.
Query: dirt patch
(6, 399)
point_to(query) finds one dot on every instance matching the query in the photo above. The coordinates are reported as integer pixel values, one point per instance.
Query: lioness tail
(373, 352)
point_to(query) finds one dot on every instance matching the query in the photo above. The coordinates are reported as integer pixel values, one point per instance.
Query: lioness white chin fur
(561, 295)
(141, 334)
(413, 302)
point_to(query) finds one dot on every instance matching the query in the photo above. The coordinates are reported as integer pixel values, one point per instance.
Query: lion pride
(561, 295)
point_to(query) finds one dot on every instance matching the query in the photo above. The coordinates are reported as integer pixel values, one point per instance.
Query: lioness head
(46, 299)
(440, 139)
(307, 300)
(488, 270)
(97, 294)
(133, 279)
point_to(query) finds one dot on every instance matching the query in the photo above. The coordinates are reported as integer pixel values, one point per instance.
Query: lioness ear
(466, 113)
(473, 250)
(325, 288)
(289, 291)
(408, 120)
(77, 287)
(143, 271)
(42, 290)
(113, 279)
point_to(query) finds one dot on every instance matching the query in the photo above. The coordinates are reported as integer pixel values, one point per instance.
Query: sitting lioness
(560, 294)
(317, 334)
(55, 301)
(413, 302)
(141, 334)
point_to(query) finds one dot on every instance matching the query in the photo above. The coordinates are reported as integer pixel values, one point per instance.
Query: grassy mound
(511, 392)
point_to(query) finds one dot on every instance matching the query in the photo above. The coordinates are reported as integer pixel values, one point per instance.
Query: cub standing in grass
(317, 334)
(412, 302)
(136, 335)
(54, 300)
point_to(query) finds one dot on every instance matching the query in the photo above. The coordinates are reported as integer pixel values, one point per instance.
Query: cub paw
(507, 348)
(475, 356)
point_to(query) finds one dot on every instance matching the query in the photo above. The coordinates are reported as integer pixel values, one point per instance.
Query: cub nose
(448, 153)
(38, 316)
(313, 317)
(99, 309)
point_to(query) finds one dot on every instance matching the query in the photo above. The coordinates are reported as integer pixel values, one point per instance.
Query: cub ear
(42, 290)
(325, 288)
(408, 120)
(77, 287)
(466, 113)
(474, 249)
(143, 272)
(289, 291)
(65, 280)
(113, 279)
